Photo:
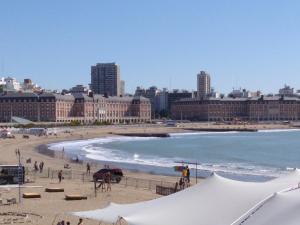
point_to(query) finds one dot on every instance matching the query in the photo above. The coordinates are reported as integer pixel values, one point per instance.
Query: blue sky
(250, 44)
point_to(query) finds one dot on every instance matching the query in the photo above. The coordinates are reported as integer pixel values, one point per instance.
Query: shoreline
(204, 170)
(52, 207)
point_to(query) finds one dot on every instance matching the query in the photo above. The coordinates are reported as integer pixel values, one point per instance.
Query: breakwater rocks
(161, 135)
(221, 129)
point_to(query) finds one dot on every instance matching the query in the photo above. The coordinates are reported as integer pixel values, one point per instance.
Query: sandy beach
(52, 207)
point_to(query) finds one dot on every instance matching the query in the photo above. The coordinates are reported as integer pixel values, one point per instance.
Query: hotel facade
(228, 109)
(87, 109)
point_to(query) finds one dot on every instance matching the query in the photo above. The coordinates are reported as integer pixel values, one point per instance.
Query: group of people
(39, 167)
(80, 222)
(185, 178)
(105, 184)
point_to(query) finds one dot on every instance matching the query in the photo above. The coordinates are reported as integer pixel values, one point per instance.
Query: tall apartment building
(122, 88)
(203, 84)
(161, 100)
(105, 79)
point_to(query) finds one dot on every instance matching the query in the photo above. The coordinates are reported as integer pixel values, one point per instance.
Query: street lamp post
(19, 172)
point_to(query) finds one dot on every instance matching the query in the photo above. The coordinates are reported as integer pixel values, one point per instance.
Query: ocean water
(241, 155)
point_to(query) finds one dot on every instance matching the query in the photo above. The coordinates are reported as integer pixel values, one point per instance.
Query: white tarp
(214, 201)
(283, 209)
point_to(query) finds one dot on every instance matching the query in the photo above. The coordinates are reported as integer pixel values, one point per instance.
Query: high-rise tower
(105, 79)
(203, 84)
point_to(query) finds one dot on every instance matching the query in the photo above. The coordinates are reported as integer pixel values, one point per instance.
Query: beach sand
(51, 206)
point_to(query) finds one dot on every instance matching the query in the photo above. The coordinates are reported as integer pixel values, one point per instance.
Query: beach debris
(18, 218)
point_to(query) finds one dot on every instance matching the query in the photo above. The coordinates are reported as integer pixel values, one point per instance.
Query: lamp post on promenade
(18, 154)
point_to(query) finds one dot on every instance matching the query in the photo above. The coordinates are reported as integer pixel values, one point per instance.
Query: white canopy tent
(216, 200)
(284, 208)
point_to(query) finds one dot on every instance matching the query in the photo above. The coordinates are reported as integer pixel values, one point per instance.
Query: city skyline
(210, 91)
(156, 43)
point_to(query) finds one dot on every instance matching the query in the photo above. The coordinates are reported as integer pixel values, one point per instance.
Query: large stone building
(49, 107)
(227, 109)
(105, 79)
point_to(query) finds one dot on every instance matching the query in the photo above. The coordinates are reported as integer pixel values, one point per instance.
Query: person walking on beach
(184, 172)
(35, 166)
(108, 181)
(188, 174)
(88, 169)
(41, 166)
(80, 221)
(60, 176)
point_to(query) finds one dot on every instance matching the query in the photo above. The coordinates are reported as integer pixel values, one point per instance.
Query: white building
(11, 85)
(161, 100)
(239, 93)
(286, 91)
(214, 94)
(2, 81)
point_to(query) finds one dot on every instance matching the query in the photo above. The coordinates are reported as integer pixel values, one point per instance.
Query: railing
(161, 190)
(148, 184)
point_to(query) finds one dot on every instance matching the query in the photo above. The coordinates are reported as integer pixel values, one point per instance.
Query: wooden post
(95, 188)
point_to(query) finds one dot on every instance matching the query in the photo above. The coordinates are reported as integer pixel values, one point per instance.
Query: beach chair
(51, 190)
(75, 197)
(31, 195)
